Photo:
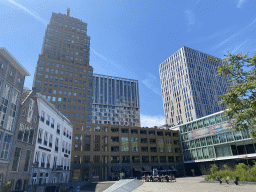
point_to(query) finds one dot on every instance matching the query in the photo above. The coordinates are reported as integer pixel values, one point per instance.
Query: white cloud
(240, 3)
(37, 17)
(104, 58)
(190, 16)
(151, 121)
(233, 38)
(150, 83)
(238, 47)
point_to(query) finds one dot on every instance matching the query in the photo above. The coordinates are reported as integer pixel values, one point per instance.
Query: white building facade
(190, 86)
(52, 156)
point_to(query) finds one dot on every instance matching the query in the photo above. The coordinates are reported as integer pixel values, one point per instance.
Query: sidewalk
(191, 184)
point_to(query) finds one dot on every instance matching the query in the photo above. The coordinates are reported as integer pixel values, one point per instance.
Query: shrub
(6, 187)
(241, 170)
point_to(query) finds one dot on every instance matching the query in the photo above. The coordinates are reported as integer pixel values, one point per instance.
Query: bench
(172, 178)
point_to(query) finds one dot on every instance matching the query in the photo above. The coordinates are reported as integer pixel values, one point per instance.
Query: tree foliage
(6, 187)
(240, 100)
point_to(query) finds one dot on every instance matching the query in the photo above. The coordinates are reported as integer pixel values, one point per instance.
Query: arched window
(18, 185)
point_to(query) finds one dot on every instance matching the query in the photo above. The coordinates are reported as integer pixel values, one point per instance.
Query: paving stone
(191, 184)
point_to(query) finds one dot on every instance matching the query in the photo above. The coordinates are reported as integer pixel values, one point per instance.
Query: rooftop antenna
(68, 11)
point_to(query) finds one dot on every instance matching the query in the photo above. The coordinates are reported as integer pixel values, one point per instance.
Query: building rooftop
(13, 62)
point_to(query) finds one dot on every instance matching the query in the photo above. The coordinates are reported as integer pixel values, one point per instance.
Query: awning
(156, 167)
(164, 167)
(172, 168)
(136, 168)
(126, 168)
(147, 168)
(116, 169)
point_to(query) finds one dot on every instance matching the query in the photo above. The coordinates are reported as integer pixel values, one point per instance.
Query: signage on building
(210, 130)
(212, 58)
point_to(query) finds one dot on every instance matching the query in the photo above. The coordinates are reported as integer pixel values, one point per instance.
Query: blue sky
(130, 38)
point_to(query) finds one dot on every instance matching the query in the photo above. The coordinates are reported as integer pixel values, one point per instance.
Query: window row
(44, 160)
(57, 65)
(125, 159)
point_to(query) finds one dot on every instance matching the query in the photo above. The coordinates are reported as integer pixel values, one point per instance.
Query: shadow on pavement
(96, 186)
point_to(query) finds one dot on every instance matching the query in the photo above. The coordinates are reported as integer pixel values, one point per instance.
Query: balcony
(45, 143)
(47, 122)
(50, 144)
(59, 167)
(56, 149)
(42, 119)
(39, 140)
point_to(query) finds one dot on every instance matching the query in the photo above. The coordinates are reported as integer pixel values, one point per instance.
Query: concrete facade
(190, 86)
(115, 101)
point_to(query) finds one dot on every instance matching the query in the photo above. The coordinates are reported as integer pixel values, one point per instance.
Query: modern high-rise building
(115, 101)
(63, 74)
(190, 86)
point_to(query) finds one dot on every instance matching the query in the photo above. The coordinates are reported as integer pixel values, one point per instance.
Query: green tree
(6, 187)
(240, 100)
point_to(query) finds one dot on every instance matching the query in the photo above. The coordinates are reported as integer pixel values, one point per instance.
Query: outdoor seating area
(162, 178)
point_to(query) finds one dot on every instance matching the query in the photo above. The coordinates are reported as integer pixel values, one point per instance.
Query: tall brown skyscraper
(63, 74)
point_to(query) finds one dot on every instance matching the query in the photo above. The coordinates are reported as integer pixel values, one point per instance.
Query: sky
(130, 38)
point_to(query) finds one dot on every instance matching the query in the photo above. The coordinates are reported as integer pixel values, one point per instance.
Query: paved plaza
(188, 184)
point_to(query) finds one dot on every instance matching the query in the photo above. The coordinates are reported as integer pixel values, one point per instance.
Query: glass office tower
(115, 101)
(190, 86)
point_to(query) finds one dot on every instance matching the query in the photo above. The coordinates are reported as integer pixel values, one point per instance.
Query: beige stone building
(12, 76)
(102, 152)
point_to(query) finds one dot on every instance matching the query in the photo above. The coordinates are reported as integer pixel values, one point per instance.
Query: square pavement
(191, 184)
